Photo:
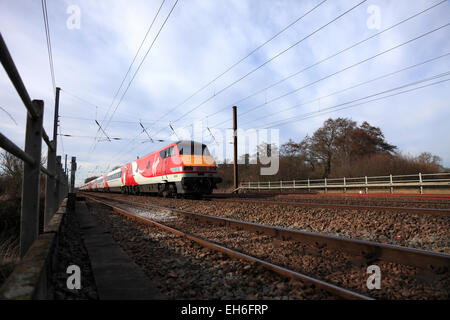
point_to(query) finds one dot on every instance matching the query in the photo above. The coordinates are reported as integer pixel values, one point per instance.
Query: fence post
(325, 185)
(294, 184)
(367, 189)
(71, 197)
(390, 180)
(29, 218)
(269, 185)
(50, 201)
(281, 186)
(345, 189)
(73, 168)
(420, 183)
(309, 189)
(58, 181)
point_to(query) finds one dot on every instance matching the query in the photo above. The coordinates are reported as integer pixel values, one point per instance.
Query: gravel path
(70, 250)
(184, 270)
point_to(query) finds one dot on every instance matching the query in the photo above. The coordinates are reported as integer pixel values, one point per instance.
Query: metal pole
(65, 166)
(235, 164)
(29, 219)
(56, 116)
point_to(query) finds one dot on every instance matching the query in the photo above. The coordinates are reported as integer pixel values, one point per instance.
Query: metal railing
(32, 222)
(418, 180)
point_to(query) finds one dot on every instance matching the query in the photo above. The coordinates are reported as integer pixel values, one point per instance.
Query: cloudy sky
(396, 78)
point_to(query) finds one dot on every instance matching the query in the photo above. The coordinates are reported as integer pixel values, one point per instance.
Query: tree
(11, 170)
(428, 158)
(367, 140)
(329, 140)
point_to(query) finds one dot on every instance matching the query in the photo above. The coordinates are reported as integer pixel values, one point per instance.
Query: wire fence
(32, 221)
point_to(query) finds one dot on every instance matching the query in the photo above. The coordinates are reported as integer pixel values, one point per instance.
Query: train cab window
(166, 153)
(148, 164)
(192, 148)
(137, 168)
(171, 151)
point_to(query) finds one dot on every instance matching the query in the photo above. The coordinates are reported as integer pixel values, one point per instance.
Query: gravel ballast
(183, 269)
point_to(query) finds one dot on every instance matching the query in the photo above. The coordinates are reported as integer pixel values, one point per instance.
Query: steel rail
(339, 199)
(369, 250)
(341, 292)
(434, 211)
(435, 196)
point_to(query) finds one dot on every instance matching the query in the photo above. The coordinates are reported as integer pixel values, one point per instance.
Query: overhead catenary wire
(321, 61)
(129, 68)
(269, 60)
(350, 87)
(329, 57)
(142, 62)
(340, 71)
(9, 115)
(241, 60)
(49, 44)
(330, 109)
(287, 120)
(134, 59)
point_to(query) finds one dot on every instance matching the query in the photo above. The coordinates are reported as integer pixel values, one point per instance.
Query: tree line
(339, 148)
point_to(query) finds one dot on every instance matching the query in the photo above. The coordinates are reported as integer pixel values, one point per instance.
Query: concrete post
(73, 169)
(50, 200)
(29, 218)
(345, 188)
(390, 179)
(58, 181)
(367, 189)
(71, 197)
(420, 183)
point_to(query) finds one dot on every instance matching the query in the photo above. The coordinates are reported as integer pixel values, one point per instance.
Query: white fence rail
(418, 180)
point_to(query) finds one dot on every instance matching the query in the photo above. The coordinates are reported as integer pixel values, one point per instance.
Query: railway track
(438, 202)
(434, 211)
(293, 241)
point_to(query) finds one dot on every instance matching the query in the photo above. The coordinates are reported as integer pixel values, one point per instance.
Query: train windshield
(192, 148)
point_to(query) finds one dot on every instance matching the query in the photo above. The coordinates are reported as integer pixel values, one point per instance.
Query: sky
(93, 44)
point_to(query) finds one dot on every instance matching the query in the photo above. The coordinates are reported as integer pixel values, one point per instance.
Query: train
(181, 168)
